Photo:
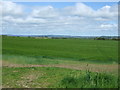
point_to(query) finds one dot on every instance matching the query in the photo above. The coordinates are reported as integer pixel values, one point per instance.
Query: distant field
(75, 49)
(59, 63)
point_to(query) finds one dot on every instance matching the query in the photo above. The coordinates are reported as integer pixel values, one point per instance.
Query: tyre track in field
(91, 67)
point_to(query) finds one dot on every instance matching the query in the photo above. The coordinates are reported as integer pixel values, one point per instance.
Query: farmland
(59, 63)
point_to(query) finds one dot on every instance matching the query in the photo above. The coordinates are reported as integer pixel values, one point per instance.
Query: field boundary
(91, 67)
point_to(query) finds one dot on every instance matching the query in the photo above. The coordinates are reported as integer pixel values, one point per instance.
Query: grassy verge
(29, 60)
(18, 59)
(12, 60)
(52, 77)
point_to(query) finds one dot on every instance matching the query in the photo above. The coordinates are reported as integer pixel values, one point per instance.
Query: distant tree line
(47, 37)
(58, 38)
(106, 38)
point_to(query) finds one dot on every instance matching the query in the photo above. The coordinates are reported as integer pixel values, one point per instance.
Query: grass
(81, 63)
(56, 78)
(21, 61)
(29, 60)
(89, 79)
(76, 49)
(42, 76)
(45, 61)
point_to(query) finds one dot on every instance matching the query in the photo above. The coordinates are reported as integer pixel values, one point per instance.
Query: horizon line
(57, 35)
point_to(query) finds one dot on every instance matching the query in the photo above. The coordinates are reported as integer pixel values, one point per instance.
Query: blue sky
(94, 5)
(61, 18)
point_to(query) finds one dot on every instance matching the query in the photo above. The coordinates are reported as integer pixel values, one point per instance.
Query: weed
(90, 80)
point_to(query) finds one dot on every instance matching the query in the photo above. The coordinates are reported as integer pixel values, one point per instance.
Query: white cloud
(107, 12)
(0, 7)
(79, 19)
(82, 10)
(45, 11)
(108, 26)
(79, 9)
(10, 8)
(22, 20)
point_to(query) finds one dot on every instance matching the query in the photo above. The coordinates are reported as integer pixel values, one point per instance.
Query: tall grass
(90, 80)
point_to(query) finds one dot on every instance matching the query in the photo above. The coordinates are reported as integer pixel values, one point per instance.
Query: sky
(60, 18)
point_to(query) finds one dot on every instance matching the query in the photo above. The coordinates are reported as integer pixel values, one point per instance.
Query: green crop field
(59, 63)
(98, 50)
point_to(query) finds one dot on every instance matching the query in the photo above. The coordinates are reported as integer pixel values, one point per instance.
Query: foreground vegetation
(56, 78)
(59, 63)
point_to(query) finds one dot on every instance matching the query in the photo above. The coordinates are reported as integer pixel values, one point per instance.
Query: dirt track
(91, 67)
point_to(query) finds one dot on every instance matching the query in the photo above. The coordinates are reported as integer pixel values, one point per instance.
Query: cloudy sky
(60, 18)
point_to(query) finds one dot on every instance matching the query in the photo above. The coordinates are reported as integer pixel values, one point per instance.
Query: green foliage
(51, 77)
(90, 80)
(34, 77)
